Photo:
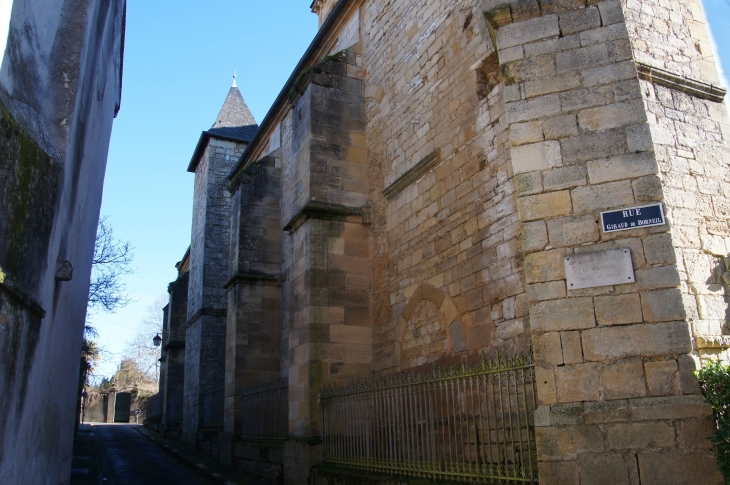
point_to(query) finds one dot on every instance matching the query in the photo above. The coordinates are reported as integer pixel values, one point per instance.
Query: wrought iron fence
(154, 406)
(175, 407)
(266, 410)
(472, 423)
(213, 408)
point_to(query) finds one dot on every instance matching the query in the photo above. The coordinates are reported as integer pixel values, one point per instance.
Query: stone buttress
(609, 109)
(205, 339)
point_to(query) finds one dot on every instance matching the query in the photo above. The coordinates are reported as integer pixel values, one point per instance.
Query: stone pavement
(206, 466)
(127, 454)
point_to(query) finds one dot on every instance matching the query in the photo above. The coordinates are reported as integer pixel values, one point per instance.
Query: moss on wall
(29, 181)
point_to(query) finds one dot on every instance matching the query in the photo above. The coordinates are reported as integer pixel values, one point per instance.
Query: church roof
(234, 122)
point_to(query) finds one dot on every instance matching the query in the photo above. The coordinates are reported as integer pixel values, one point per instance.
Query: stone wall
(253, 337)
(428, 222)
(174, 342)
(436, 110)
(205, 340)
(615, 386)
(53, 148)
(327, 279)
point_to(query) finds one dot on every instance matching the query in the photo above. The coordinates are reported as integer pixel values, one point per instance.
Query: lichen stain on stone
(28, 191)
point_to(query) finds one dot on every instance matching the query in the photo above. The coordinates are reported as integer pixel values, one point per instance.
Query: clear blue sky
(179, 60)
(178, 66)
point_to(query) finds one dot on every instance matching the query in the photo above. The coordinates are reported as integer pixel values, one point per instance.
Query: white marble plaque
(600, 268)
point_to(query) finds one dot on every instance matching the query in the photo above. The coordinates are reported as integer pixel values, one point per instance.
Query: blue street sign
(633, 218)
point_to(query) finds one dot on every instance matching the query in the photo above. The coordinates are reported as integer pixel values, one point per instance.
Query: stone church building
(517, 202)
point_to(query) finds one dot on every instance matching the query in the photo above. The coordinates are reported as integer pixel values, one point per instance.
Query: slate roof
(234, 122)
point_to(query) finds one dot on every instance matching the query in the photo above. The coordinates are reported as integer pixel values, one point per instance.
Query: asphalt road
(134, 460)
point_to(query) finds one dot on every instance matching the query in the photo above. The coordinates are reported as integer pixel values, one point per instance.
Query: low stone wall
(263, 460)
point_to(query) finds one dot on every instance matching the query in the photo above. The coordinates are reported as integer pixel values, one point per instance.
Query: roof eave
(203, 141)
(283, 95)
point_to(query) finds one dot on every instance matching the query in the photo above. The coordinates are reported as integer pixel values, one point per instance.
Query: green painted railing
(471, 423)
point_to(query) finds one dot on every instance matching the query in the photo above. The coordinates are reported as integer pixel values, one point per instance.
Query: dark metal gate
(121, 408)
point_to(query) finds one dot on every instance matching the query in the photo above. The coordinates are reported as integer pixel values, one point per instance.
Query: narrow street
(131, 459)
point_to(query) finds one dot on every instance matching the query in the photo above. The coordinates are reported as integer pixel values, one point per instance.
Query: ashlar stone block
(536, 156)
(612, 116)
(543, 206)
(564, 178)
(618, 310)
(666, 467)
(572, 231)
(618, 342)
(534, 236)
(519, 33)
(565, 314)
(663, 305)
(559, 441)
(545, 266)
(572, 349)
(623, 379)
(604, 469)
(579, 20)
(662, 378)
(604, 196)
(640, 436)
(583, 58)
(622, 167)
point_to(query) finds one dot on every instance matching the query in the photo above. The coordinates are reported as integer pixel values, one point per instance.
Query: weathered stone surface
(663, 305)
(563, 472)
(606, 412)
(639, 436)
(566, 314)
(534, 236)
(579, 382)
(579, 20)
(602, 197)
(546, 390)
(522, 133)
(536, 156)
(670, 407)
(609, 343)
(545, 205)
(546, 291)
(528, 183)
(622, 167)
(528, 31)
(659, 250)
(604, 469)
(572, 349)
(572, 231)
(677, 468)
(583, 58)
(618, 310)
(545, 266)
(694, 434)
(623, 379)
(547, 348)
(612, 116)
(662, 377)
(564, 178)
(563, 441)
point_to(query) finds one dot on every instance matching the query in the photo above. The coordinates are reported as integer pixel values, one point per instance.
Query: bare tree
(112, 259)
(152, 319)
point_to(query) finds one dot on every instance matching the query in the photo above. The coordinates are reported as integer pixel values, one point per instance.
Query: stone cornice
(674, 81)
(327, 212)
(251, 278)
(207, 312)
(713, 341)
(412, 174)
